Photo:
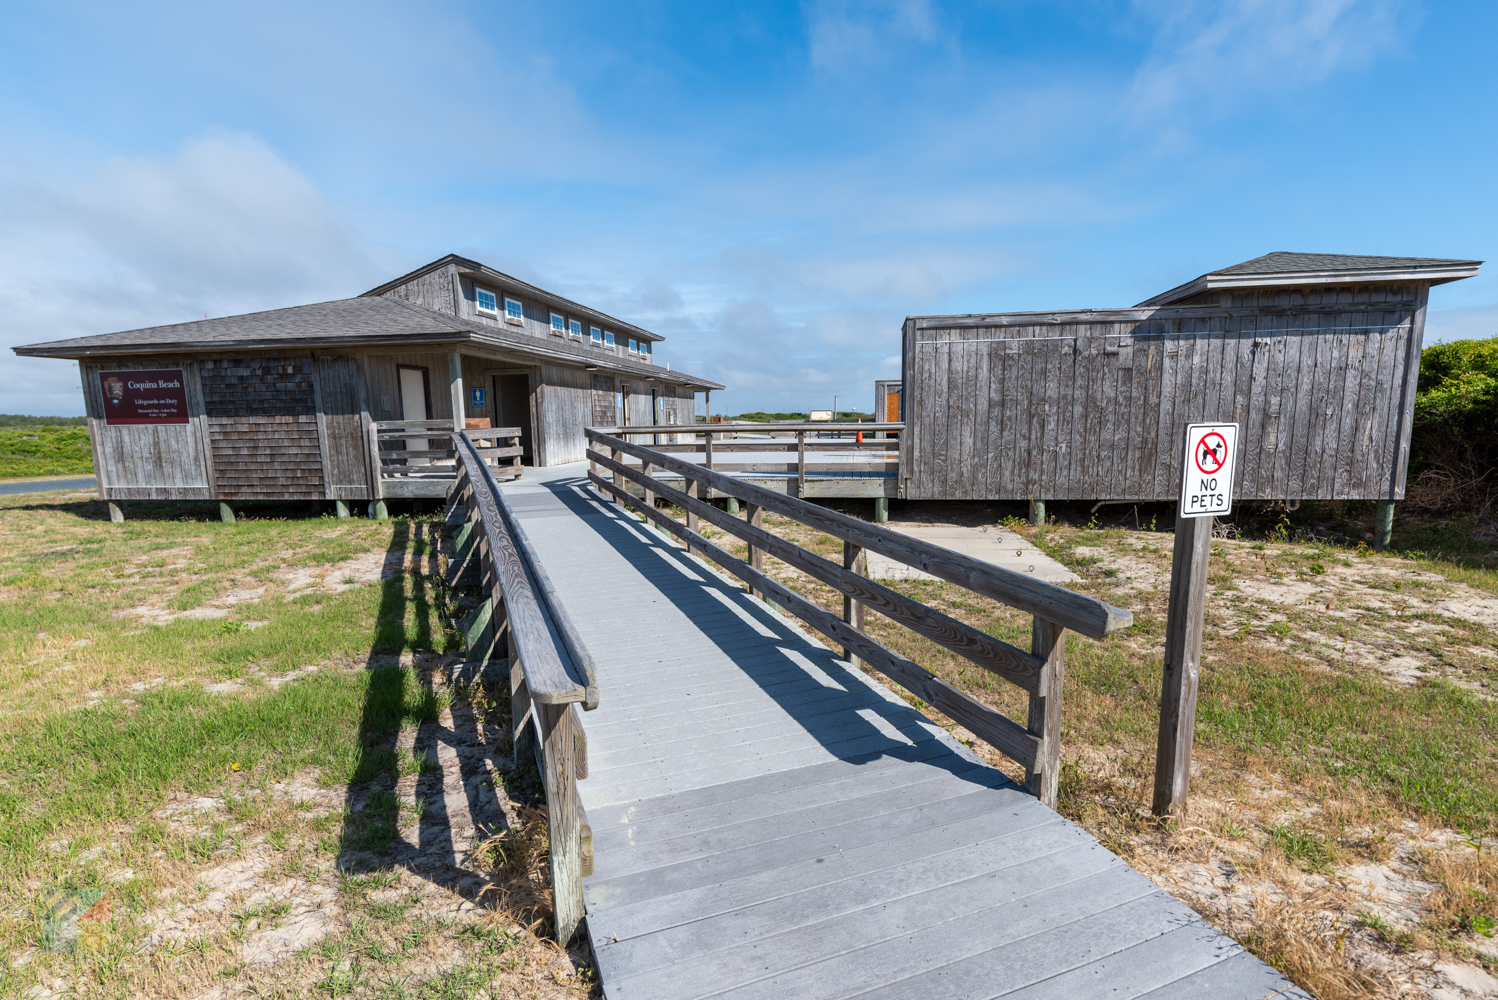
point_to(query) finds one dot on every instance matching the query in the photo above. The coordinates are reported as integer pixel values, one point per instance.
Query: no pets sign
(1207, 475)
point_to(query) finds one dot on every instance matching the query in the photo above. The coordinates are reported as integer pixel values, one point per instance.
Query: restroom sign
(1207, 473)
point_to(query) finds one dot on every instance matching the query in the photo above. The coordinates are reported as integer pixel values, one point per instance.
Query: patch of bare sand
(367, 568)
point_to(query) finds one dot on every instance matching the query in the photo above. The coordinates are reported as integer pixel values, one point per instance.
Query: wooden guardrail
(422, 449)
(822, 436)
(550, 669)
(1040, 671)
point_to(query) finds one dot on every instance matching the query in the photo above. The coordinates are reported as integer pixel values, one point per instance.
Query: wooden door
(413, 384)
(512, 407)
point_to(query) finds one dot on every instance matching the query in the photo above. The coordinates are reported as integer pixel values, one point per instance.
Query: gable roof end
(1287, 268)
(486, 275)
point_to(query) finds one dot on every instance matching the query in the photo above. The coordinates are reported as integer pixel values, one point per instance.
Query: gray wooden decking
(769, 822)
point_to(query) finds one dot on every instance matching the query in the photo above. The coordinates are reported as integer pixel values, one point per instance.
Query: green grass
(44, 451)
(122, 761)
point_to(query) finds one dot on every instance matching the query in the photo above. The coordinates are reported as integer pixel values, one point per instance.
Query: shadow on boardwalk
(825, 695)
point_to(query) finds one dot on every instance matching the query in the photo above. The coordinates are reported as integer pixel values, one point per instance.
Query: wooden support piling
(1183, 653)
(881, 510)
(1383, 525)
(340, 507)
(116, 515)
(563, 816)
(1037, 512)
(225, 513)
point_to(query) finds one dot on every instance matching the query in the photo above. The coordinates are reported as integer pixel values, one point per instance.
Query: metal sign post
(1206, 490)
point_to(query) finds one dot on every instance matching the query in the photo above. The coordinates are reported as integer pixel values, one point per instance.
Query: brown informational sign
(145, 396)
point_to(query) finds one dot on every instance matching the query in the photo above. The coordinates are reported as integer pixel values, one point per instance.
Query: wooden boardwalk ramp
(770, 822)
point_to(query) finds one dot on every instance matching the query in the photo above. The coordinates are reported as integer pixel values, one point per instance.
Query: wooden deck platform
(769, 822)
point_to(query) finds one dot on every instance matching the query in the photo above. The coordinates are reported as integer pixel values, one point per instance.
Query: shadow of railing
(422, 746)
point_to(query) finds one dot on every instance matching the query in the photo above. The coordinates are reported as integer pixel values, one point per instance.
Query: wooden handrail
(1079, 612)
(551, 671)
(839, 427)
(547, 677)
(1035, 746)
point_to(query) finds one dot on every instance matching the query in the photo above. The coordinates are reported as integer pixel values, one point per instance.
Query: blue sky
(771, 186)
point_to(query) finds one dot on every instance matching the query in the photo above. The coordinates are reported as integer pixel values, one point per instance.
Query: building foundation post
(225, 513)
(1037, 512)
(116, 515)
(1383, 525)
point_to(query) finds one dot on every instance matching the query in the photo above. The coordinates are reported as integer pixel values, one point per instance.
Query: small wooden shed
(1315, 356)
(320, 401)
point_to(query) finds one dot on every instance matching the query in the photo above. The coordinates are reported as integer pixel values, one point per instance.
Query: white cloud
(1242, 48)
(222, 226)
(849, 33)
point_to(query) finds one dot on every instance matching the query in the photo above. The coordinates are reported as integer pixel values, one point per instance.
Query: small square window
(514, 310)
(608, 338)
(575, 328)
(634, 346)
(486, 300)
(645, 350)
(596, 334)
(558, 323)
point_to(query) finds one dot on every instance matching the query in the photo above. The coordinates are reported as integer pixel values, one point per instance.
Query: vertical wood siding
(566, 401)
(149, 461)
(434, 290)
(1085, 405)
(341, 390)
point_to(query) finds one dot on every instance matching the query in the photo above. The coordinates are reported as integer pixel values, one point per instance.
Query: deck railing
(523, 625)
(1035, 746)
(716, 440)
(406, 450)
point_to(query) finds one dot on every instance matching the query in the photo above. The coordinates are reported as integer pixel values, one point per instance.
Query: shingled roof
(358, 322)
(1284, 267)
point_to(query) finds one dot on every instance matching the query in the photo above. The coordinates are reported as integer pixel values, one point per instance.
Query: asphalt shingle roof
(1284, 261)
(355, 320)
(342, 322)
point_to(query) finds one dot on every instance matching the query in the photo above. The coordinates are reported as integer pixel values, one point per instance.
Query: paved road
(49, 486)
(770, 822)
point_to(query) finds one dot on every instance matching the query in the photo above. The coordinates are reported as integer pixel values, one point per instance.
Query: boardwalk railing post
(801, 465)
(562, 817)
(855, 559)
(618, 457)
(693, 489)
(1047, 641)
(755, 515)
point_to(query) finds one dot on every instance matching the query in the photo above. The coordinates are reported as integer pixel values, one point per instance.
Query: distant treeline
(21, 420)
(760, 417)
(1454, 449)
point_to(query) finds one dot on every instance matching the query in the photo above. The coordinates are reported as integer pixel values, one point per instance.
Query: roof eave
(544, 352)
(1439, 275)
(62, 349)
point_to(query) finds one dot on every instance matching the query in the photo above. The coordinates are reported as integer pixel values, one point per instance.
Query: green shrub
(1454, 446)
